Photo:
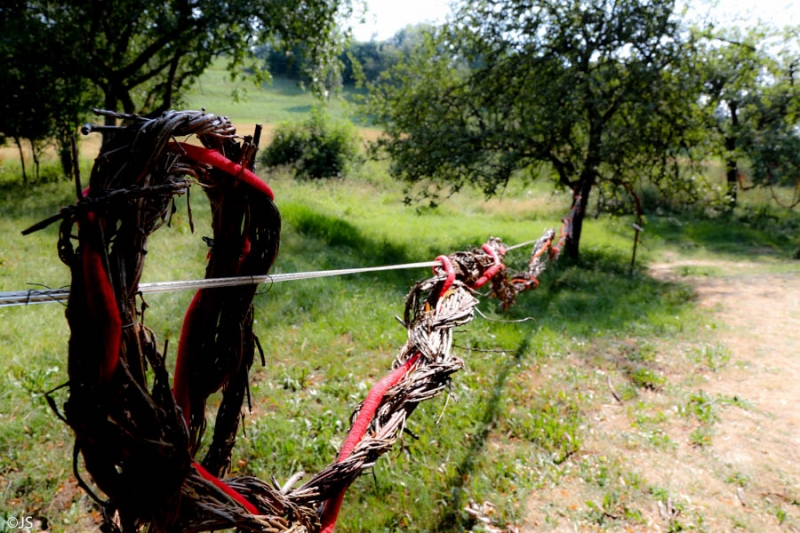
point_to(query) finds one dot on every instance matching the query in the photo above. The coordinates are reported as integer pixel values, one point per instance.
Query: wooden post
(638, 230)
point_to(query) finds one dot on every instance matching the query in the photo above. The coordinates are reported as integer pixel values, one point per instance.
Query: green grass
(519, 419)
(761, 232)
(246, 103)
(327, 340)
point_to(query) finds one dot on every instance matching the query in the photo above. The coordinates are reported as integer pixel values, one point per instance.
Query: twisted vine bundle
(140, 436)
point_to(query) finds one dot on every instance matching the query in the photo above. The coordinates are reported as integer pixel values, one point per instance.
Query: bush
(317, 148)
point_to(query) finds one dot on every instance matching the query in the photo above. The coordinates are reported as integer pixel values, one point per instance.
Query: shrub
(316, 148)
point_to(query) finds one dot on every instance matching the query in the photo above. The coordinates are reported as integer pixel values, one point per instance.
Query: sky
(385, 17)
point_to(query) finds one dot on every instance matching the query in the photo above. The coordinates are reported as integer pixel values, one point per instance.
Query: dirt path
(760, 319)
(756, 447)
(759, 315)
(746, 476)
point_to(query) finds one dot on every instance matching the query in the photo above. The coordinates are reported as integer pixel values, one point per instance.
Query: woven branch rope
(140, 437)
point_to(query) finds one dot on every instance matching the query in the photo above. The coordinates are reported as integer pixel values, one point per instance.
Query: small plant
(780, 514)
(553, 423)
(713, 356)
(701, 406)
(660, 494)
(737, 478)
(700, 437)
(640, 352)
(317, 148)
(647, 424)
(296, 380)
(644, 378)
(675, 526)
(735, 401)
(36, 381)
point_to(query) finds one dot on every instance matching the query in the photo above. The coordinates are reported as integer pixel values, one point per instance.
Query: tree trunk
(115, 92)
(64, 142)
(731, 164)
(166, 103)
(109, 104)
(21, 159)
(35, 156)
(579, 202)
(732, 178)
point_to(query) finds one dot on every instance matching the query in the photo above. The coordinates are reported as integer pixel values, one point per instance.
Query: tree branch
(149, 52)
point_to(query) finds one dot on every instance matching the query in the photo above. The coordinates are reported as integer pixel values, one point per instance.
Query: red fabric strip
(331, 513)
(491, 271)
(227, 489)
(180, 383)
(357, 432)
(451, 274)
(215, 159)
(101, 301)
(246, 246)
(367, 412)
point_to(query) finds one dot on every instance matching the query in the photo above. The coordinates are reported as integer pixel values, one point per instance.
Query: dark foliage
(317, 148)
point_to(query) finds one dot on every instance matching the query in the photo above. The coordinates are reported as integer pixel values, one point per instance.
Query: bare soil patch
(746, 475)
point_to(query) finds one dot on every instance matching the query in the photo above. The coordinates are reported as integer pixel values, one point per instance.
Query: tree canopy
(593, 93)
(751, 104)
(361, 61)
(40, 98)
(140, 54)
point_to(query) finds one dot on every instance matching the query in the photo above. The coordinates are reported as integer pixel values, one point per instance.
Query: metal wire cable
(44, 296)
(520, 245)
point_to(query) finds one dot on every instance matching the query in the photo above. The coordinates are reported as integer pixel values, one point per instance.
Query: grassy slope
(277, 101)
(241, 101)
(521, 415)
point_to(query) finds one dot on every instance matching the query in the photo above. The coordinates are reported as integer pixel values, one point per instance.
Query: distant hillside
(245, 103)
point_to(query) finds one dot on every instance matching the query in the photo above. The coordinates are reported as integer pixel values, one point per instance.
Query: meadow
(519, 432)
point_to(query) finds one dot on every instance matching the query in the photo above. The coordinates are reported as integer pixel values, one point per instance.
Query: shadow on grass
(37, 200)
(452, 518)
(598, 295)
(302, 109)
(748, 232)
(337, 232)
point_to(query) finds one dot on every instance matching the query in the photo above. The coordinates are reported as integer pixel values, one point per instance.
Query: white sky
(385, 17)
